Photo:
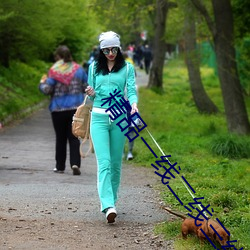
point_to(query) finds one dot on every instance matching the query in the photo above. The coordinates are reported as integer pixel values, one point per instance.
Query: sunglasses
(106, 51)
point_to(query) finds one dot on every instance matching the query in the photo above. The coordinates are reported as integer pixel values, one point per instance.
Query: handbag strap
(91, 148)
(85, 139)
(85, 99)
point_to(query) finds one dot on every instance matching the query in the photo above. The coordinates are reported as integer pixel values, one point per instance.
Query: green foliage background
(31, 30)
(28, 33)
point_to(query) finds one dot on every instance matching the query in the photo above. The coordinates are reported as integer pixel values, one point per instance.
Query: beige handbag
(81, 126)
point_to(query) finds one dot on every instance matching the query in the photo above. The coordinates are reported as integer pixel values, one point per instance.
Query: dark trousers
(62, 122)
(147, 65)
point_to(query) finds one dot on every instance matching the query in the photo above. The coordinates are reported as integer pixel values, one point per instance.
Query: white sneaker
(58, 171)
(76, 170)
(111, 214)
(130, 156)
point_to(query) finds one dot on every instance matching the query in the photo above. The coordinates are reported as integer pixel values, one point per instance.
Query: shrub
(231, 146)
(224, 200)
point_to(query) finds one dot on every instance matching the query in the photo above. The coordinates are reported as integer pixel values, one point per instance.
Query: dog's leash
(185, 185)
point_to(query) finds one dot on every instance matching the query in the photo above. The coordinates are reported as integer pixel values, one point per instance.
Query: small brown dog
(220, 230)
(188, 225)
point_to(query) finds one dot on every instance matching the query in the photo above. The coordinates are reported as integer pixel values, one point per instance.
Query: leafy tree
(241, 18)
(28, 33)
(78, 29)
(242, 33)
(156, 72)
(126, 17)
(175, 24)
(22, 35)
(221, 28)
(182, 23)
(201, 99)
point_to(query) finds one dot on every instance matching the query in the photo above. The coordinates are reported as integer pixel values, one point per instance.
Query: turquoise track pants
(108, 141)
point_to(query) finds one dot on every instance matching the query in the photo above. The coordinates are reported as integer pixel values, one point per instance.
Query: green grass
(231, 146)
(215, 163)
(19, 87)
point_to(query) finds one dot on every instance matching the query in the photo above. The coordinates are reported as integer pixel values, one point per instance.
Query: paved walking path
(40, 209)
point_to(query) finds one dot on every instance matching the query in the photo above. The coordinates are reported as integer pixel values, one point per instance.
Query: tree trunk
(201, 99)
(235, 109)
(159, 47)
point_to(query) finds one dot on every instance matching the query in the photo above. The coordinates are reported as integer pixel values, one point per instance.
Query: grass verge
(215, 163)
(19, 89)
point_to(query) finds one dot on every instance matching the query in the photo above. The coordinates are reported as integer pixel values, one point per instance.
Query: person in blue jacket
(109, 74)
(65, 83)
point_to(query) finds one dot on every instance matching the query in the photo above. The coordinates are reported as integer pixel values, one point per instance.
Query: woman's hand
(134, 108)
(90, 91)
(43, 79)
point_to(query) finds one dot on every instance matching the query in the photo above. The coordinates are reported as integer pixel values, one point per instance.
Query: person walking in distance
(108, 74)
(65, 84)
(147, 54)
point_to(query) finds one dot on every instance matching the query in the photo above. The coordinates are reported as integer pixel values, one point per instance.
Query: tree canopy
(28, 33)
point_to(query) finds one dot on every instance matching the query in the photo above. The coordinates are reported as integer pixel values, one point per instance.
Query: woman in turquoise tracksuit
(109, 73)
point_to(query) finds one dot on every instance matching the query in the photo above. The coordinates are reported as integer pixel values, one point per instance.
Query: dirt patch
(50, 234)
